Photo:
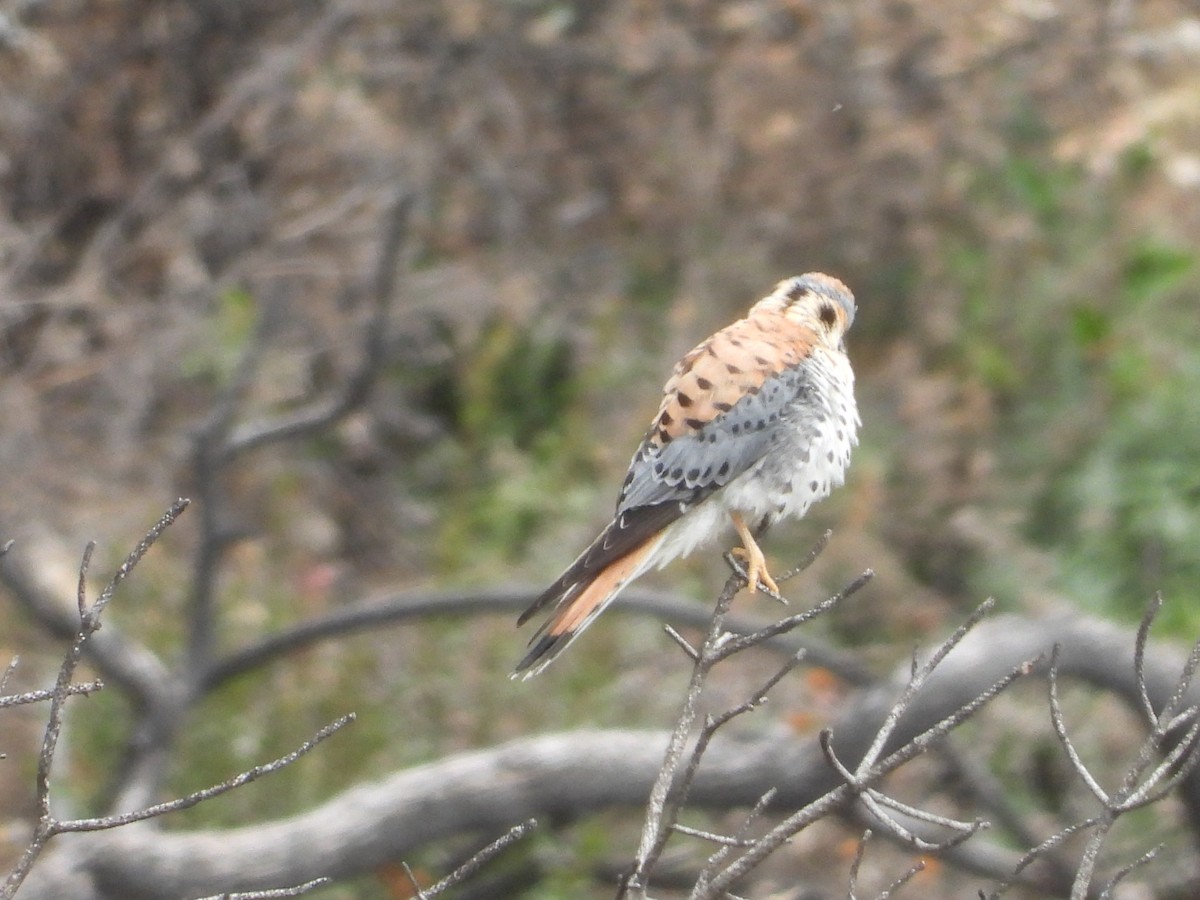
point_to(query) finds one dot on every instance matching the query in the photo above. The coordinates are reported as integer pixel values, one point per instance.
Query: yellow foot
(751, 555)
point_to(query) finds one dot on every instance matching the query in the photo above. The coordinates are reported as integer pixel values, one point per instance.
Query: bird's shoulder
(735, 362)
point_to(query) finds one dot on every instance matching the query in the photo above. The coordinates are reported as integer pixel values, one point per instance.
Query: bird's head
(819, 301)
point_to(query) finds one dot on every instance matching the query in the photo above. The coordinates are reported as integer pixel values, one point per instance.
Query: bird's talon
(755, 571)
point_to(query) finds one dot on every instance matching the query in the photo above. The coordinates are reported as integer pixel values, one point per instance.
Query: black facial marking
(827, 315)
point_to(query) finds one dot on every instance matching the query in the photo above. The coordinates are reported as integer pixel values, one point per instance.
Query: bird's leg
(751, 554)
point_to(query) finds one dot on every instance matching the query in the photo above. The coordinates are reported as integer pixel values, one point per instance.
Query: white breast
(807, 460)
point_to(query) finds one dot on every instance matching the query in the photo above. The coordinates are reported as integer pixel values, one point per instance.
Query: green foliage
(514, 437)
(1153, 269)
(1087, 334)
(1125, 512)
(230, 328)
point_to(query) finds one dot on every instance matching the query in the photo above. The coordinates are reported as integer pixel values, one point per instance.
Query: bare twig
(675, 778)
(294, 891)
(102, 823)
(72, 690)
(659, 818)
(89, 623)
(741, 836)
(870, 769)
(1143, 782)
(477, 861)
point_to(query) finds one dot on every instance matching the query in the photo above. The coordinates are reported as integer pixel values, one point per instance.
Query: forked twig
(89, 623)
(670, 789)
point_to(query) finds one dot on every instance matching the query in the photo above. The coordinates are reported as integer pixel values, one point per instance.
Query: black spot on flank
(804, 457)
(628, 479)
(753, 389)
(827, 315)
(812, 485)
(773, 417)
(694, 423)
(704, 384)
(723, 471)
(723, 406)
(735, 342)
(829, 456)
(693, 475)
(762, 424)
(762, 362)
(677, 473)
(712, 438)
(665, 419)
(786, 488)
(707, 473)
(736, 428)
(684, 400)
(659, 468)
(664, 436)
(732, 369)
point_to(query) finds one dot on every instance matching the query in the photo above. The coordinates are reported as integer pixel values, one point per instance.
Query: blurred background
(1012, 190)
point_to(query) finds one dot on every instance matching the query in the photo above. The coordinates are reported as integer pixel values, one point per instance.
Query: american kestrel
(756, 424)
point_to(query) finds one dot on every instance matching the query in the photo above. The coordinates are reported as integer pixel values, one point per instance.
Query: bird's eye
(827, 315)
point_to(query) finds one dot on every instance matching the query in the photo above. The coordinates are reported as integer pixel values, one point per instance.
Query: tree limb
(563, 777)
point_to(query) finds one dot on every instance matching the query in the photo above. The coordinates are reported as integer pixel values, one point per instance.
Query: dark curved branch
(358, 385)
(394, 609)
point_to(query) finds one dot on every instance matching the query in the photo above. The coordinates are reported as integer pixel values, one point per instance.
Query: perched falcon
(756, 424)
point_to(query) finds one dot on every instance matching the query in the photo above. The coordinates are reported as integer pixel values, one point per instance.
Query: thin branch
(783, 626)
(1060, 729)
(1122, 873)
(294, 891)
(74, 689)
(1139, 656)
(479, 860)
(357, 387)
(659, 818)
(712, 837)
(860, 853)
(1040, 851)
(672, 785)
(714, 862)
(89, 623)
(862, 778)
(187, 802)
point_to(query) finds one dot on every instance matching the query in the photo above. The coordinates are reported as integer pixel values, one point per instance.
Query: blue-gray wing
(687, 468)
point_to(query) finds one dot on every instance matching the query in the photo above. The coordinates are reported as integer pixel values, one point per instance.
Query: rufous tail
(578, 605)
